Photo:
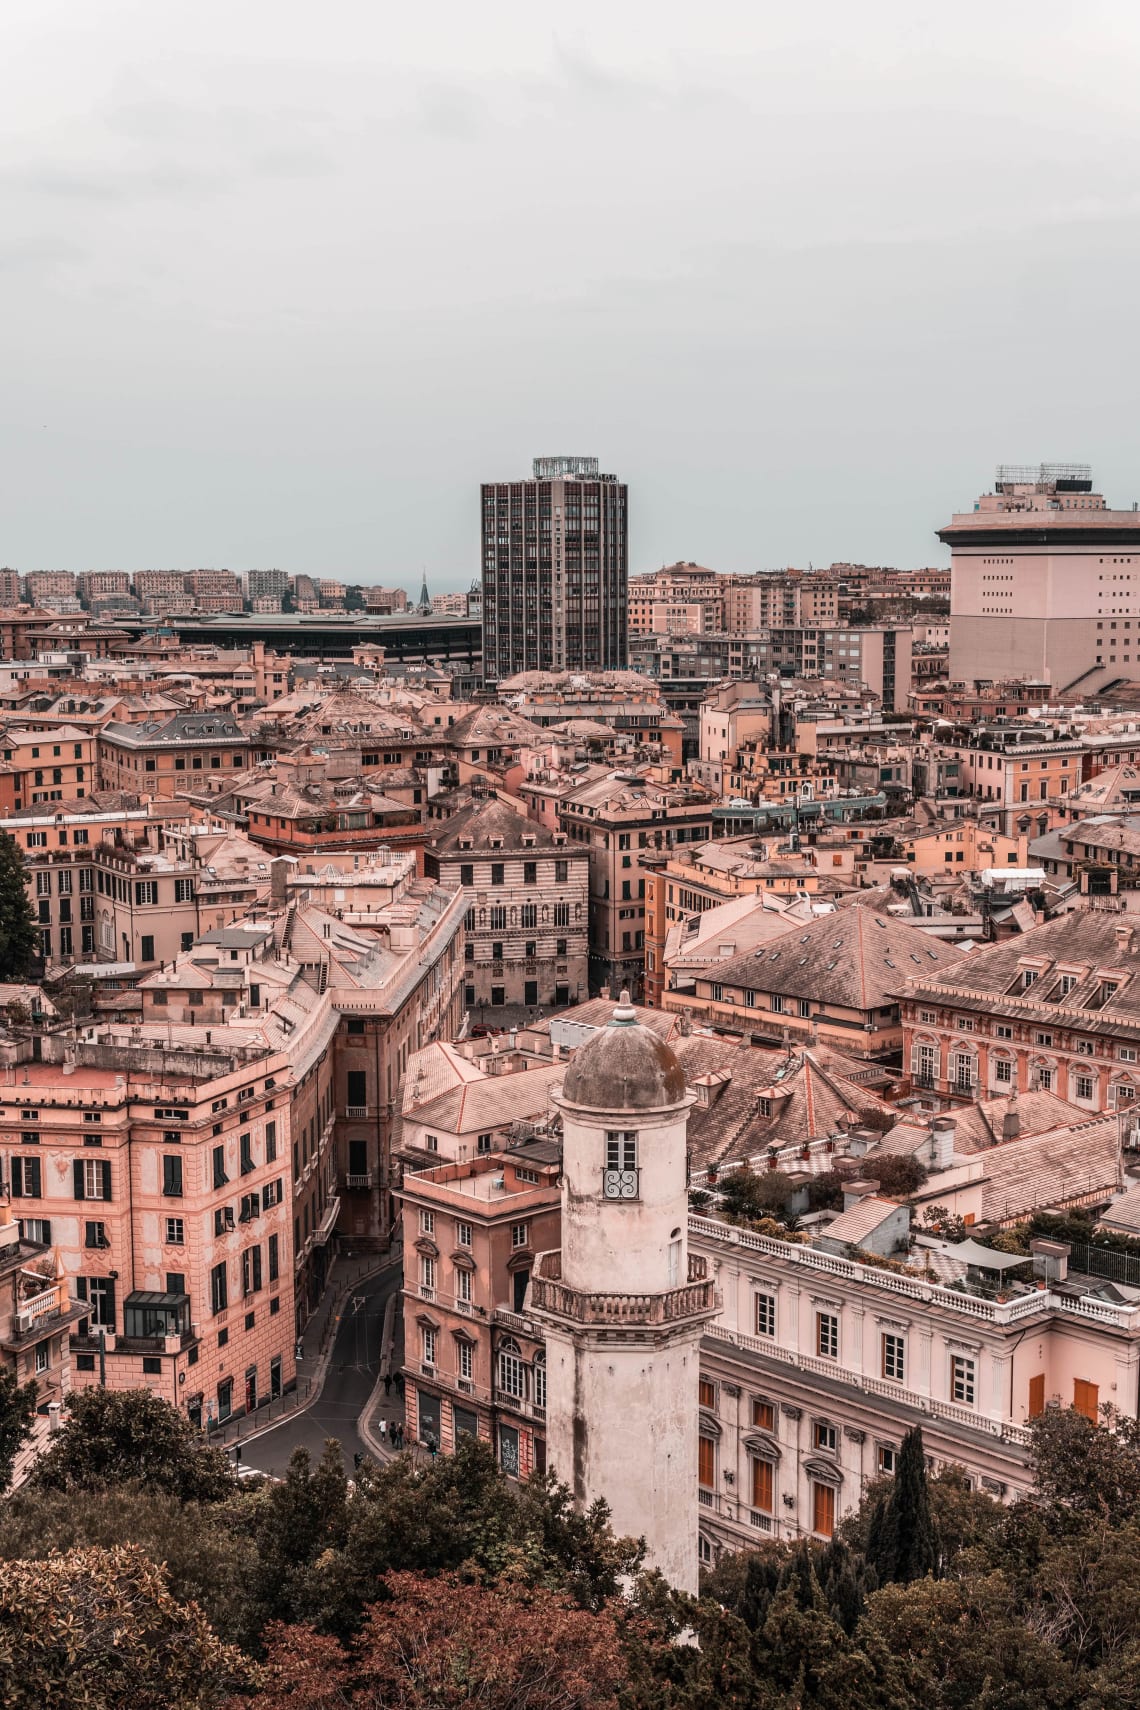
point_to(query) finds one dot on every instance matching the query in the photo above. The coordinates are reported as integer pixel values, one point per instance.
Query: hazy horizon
(283, 287)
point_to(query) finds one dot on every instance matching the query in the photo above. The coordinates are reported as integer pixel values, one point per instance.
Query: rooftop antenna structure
(425, 597)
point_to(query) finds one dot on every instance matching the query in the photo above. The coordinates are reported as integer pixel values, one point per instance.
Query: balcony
(518, 1404)
(359, 1181)
(356, 1112)
(328, 1222)
(549, 1294)
(39, 1315)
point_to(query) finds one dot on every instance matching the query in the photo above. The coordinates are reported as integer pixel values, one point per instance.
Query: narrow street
(351, 1376)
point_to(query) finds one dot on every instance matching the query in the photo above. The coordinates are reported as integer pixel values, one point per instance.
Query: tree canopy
(447, 1584)
(17, 1411)
(117, 1437)
(19, 936)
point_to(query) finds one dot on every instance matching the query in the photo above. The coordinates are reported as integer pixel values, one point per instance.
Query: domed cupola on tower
(622, 1305)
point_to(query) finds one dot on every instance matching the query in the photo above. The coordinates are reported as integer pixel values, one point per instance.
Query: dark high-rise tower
(555, 570)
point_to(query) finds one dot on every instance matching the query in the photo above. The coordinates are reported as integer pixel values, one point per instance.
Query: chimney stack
(1011, 1120)
(854, 1191)
(941, 1142)
(279, 870)
(1124, 938)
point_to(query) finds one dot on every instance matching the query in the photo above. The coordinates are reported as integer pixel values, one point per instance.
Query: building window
(886, 1460)
(465, 1361)
(825, 1437)
(962, 1379)
(706, 1393)
(219, 1289)
(1003, 1070)
(620, 1177)
(764, 1415)
(26, 1178)
(519, 1232)
(91, 1177)
(43, 1357)
(427, 1275)
(220, 1176)
(511, 1379)
(822, 1510)
(894, 1358)
(463, 1286)
(172, 1176)
(827, 1335)
(1086, 1397)
(175, 1232)
(427, 1222)
(251, 1270)
(763, 1485)
(463, 1234)
(765, 1315)
(247, 1163)
(706, 1463)
(1084, 1086)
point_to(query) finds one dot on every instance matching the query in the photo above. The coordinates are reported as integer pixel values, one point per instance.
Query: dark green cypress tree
(902, 1542)
(19, 940)
(846, 1581)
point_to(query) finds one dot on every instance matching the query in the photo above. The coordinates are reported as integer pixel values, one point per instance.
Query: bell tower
(622, 1304)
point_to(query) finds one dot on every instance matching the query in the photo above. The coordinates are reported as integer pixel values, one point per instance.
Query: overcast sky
(282, 282)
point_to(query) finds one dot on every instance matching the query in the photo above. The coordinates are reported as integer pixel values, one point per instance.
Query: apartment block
(37, 1315)
(1052, 1010)
(625, 820)
(157, 1172)
(474, 1360)
(1060, 572)
(215, 590)
(191, 751)
(49, 587)
(555, 557)
(526, 937)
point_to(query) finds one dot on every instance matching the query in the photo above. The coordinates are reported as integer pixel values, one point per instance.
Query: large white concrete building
(1045, 582)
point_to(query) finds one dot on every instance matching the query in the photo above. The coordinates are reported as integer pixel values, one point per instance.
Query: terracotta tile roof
(862, 1220)
(1052, 1170)
(1086, 942)
(853, 957)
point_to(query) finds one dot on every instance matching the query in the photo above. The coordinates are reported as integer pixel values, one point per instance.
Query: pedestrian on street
(383, 1429)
